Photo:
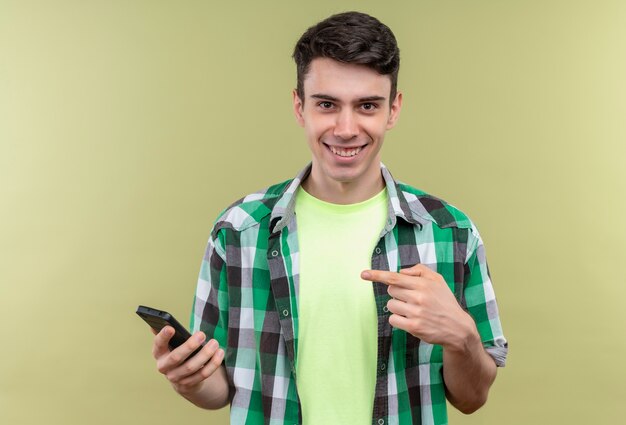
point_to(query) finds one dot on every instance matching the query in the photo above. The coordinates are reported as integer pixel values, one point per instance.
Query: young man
(341, 296)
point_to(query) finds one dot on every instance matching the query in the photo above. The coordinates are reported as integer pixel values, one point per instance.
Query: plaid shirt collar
(284, 210)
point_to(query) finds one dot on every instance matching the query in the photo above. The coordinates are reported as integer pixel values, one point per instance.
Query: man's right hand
(188, 376)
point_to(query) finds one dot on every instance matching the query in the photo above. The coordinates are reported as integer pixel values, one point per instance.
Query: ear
(394, 112)
(298, 106)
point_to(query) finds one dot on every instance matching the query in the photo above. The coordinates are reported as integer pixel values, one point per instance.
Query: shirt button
(377, 250)
(285, 312)
(274, 253)
(383, 366)
(386, 309)
(381, 421)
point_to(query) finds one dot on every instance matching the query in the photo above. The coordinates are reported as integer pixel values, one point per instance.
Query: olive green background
(126, 126)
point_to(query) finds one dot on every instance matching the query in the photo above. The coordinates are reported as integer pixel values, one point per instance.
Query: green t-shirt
(336, 362)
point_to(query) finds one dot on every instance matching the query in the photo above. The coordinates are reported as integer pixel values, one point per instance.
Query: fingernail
(200, 337)
(366, 275)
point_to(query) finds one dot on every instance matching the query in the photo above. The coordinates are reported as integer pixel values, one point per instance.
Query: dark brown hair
(350, 37)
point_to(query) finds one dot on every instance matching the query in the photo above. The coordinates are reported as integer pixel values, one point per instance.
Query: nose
(346, 126)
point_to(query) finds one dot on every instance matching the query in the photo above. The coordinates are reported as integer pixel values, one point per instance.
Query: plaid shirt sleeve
(480, 299)
(210, 309)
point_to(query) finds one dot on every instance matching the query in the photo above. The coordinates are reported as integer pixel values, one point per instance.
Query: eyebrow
(322, 96)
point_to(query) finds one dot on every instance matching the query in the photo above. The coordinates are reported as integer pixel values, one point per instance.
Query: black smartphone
(158, 319)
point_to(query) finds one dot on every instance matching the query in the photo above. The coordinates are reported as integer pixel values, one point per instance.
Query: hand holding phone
(184, 359)
(158, 319)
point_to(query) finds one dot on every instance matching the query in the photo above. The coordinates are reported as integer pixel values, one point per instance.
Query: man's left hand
(423, 305)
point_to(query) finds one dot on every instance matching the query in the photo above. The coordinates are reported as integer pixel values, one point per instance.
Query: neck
(348, 192)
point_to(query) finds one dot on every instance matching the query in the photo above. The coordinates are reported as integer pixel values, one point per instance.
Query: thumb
(420, 270)
(416, 270)
(160, 344)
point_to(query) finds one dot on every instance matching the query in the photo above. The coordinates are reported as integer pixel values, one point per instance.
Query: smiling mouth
(345, 153)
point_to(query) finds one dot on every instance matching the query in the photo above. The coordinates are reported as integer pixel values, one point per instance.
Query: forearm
(213, 393)
(468, 372)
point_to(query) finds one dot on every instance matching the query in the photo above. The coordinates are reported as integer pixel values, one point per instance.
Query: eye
(369, 106)
(325, 104)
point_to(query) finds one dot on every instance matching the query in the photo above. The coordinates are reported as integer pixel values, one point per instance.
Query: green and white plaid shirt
(247, 299)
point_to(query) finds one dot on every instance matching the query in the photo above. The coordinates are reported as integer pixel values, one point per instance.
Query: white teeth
(345, 152)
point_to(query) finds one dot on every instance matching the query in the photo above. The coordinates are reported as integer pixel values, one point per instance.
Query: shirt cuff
(498, 353)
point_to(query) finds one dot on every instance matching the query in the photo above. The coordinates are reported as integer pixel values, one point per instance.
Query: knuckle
(162, 366)
(206, 371)
(416, 268)
(435, 274)
(185, 385)
(188, 368)
(393, 292)
(392, 305)
(176, 357)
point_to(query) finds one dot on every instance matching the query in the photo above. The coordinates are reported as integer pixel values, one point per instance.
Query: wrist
(465, 338)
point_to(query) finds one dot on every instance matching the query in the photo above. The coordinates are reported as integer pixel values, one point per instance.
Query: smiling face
(345, 114)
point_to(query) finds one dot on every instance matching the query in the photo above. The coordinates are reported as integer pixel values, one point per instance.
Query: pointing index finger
(388, 278)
